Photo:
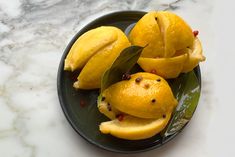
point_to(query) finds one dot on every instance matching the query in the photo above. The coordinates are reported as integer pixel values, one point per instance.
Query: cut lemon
(133, 128)
(89, 44)
(163, 33)
(176, 33)
(195, 56)
(99, 56)
(147, 33)
(145, 95)
(165, 67)
(185, 61)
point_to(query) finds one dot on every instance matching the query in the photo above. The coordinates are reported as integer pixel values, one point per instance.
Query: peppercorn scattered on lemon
(94, 52)
(145, 103)
(172, 47)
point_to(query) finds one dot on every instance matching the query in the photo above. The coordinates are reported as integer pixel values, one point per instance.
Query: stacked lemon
(171, 46)
(94, 52)
(139, 108)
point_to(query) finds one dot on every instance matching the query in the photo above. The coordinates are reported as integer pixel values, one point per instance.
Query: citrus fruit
(94, 52)
(139, 108)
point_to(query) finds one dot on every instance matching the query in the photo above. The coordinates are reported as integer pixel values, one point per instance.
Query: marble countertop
(33, 36)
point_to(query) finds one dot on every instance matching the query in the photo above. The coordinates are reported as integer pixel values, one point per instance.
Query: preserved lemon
(145, 102)
(94, 52)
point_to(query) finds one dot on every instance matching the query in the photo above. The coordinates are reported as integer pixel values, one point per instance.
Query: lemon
(165, 67)
(133, 128)
(185, 61)
(195, 56)
(163, 32)
(176, 33)
(181, 51)
(105, 108)
(89, 44)
(139, 108)
(145, 95)
(147, 33)
(94, 52)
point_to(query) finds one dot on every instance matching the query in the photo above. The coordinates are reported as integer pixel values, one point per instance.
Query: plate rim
(62, 104)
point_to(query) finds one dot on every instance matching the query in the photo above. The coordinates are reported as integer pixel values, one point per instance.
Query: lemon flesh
(195, 56)
(108, 110)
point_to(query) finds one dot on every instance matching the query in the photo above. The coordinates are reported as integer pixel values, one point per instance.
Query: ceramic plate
(80, 107)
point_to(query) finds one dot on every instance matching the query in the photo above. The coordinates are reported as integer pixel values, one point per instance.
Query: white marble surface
(33, 35)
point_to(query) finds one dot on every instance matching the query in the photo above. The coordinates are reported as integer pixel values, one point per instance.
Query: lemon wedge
(87, 45)
(133, 128)
(145, 95)
(185, 61)
(195, 56)
(94, 52)
(163, 32)
(139, 108)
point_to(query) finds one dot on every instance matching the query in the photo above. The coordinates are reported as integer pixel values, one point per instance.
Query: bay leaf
(123, 64)
(186, 89)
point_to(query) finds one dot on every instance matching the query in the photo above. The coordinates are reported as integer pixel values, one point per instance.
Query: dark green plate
(79, 106)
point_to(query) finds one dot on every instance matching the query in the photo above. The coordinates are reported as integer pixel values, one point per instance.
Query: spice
(153, 71)
(164, 116)
(195, 33)
(126, 77)
(82, 103)
(138, 79)
(103, 98)
(158, 80)
(120, 117)
(146, 85)
(153, 100)
(109, 107)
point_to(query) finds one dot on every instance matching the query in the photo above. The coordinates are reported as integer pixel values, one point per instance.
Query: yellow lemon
(94, 52)
(181, 51)
(163, 32)
(139, 108)
(105, 108)
(185, 61)
(145, 95)
(165, 67)
(176, 33)
(147, 33)
(195, 56)
(89, 44)
(133, 128)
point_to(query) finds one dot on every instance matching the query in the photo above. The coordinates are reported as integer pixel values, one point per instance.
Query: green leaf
(186, 89)
(123, 64)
